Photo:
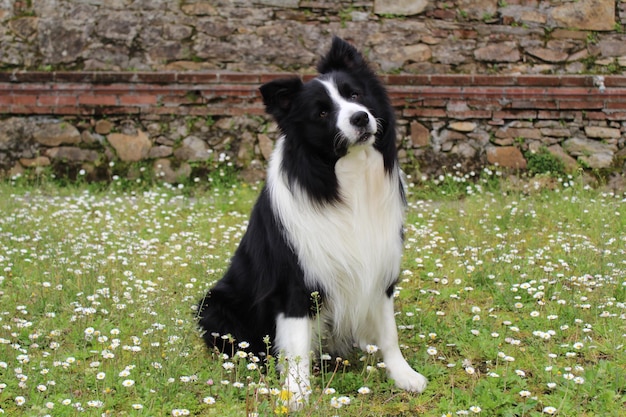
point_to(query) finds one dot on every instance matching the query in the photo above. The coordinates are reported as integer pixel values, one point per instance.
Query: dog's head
(343, 107)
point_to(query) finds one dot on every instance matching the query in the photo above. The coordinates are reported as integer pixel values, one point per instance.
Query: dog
(323, 246)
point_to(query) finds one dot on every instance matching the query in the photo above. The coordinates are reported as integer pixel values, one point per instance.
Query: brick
(105, 110)
(110, 77)
(267, 77)
(74, 87)
(239, 78)
(230, 92)
(538, 80)
(6, 99)
(618, 116)
(97, 100)
(405, 79)
(492, 80)
(397, 102)
(448, 92)
(197, 78)
(198, 110)
(470, 114)
(615, 81)
(71, 110)
(169, 110)
(450, 80)
(515, 114)
(32, 87)
(598, 115)
(26, 100)
(558, 115)
(417, 112)
(525, 92)
(576, 81)
(112, 89)
(580, 93)
(155, 77)
(24, 109)
(56, 100)
(486, 103)
(236, 111)
(484, 91)
(170, 100)
(582, 104)
(616, 105)
(75, 77)
(534, 104)
(32, 77)
(435, 102)
(137, 99)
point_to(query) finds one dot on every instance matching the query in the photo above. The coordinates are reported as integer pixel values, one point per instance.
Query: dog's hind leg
(293, 344)
(386, 335)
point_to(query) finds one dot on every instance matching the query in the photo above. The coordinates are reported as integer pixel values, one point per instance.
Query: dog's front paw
(409, 380)
(295, 396)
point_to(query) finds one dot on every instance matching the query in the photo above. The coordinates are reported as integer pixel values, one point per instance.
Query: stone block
(597, 160)
(599, 132)
(72, 154)
(559, 152)
(400, 7)
(265, 145)
(548, 55)
(584, 147)
(556, 132)
(193, 149)
(498, 52)
(130, 148)
(160, 151)
(420, 136)
(103, 127)
(585, 15)
(506, 157)
(462, 126)
(55, 134)
(40, 161)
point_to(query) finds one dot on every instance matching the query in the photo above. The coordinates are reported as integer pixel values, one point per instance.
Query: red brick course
(225, 93)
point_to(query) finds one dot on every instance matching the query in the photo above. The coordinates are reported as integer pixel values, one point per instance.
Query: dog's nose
(359, 119)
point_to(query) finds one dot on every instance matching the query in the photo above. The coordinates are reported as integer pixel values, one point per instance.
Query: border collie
(324, 242)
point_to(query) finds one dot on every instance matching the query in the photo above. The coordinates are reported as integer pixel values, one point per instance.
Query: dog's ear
(278, 95)
(341, 56)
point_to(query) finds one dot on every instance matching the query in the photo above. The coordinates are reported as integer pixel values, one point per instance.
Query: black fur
(265, 277)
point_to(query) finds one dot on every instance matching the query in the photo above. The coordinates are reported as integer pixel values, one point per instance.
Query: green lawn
(511, 303)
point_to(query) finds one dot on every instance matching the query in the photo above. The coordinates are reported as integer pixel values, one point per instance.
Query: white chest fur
(352, 249)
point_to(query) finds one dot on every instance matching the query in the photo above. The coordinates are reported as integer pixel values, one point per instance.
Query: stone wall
(415, 36)
(108, 88)
(182, 125)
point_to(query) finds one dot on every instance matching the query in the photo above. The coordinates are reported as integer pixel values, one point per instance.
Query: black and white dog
(324, 241)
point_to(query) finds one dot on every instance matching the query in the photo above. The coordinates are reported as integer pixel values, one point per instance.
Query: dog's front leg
(387, 340)
(293, 342)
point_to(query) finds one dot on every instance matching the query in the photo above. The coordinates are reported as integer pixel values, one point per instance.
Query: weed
(544, 162)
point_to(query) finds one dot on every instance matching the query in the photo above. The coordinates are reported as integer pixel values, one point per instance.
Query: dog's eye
(323, 114)
(354, 96)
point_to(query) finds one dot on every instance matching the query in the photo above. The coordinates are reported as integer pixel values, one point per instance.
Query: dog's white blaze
(352, 249)
(346, 110)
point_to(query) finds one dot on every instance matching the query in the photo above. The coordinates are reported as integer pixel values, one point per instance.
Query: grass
(512, 303)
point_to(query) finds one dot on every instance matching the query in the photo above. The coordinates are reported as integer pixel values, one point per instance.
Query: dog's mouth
(364, 136)
(358, 137)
